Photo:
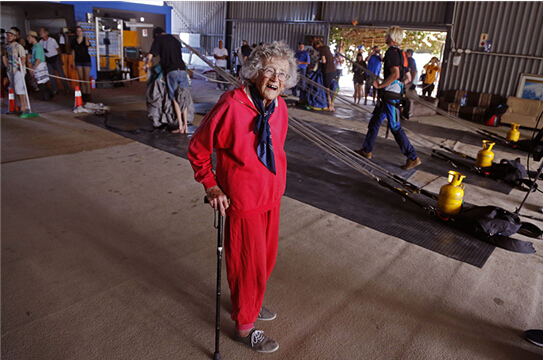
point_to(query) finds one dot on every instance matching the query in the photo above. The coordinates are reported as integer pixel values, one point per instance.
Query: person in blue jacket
(374, 62)
(303, 60)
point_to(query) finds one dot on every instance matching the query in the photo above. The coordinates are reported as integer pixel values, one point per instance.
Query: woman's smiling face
(271, 88)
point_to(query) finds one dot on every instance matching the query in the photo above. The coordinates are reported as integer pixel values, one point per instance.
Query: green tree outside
(420, 41)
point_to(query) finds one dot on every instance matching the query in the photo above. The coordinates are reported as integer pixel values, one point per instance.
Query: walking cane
(219, 226)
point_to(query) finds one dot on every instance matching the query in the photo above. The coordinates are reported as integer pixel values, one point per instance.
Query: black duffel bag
(490, 220)
(508, 170)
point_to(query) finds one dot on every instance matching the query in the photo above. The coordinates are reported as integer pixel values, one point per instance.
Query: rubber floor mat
(387, 154)
(318, 179)
(463, 136)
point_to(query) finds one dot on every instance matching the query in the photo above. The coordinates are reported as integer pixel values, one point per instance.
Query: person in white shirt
(53, 57)
(221, 54)
(338, 62)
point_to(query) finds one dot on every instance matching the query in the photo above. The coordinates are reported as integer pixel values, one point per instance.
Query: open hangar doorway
(425, 44)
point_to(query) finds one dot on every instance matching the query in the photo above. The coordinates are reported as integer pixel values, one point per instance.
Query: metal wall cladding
(498, 75)
(386, 13)
(291, 33)
(203, 17)
(273, 10)
(514, 28)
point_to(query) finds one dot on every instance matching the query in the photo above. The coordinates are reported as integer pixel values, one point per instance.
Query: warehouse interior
(109, 251)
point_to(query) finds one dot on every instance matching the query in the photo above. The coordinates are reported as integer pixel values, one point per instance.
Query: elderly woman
(249, 181)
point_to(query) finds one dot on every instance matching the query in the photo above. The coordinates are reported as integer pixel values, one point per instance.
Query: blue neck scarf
(264, 148)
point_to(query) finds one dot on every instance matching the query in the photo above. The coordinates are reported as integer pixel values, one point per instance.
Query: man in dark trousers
(53, 57)
(392, 87)
(412, 68)
(303, 60)
(168, 48)
(374, 62)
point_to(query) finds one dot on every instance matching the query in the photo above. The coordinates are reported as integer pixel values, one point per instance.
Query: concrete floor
(109, 253)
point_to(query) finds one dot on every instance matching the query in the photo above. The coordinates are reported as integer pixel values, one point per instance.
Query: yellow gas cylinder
(513, 134)
(485, 156)
(451, 196)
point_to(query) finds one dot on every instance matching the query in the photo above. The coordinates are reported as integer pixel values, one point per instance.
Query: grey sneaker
(266, 314)
(257, 341)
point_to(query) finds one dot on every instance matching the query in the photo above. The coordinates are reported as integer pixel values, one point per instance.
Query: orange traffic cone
(13, 108)
(78, 99)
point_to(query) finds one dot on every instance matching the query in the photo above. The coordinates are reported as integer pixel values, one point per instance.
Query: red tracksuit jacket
(228, 128)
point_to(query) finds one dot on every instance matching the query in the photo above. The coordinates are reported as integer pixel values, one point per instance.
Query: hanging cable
(413, 135)
(435, 108)
(348, 156)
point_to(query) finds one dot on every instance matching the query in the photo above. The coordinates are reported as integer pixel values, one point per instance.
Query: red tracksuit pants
(250, 252)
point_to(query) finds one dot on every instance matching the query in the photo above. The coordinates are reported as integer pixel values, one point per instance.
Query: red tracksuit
(252, 225)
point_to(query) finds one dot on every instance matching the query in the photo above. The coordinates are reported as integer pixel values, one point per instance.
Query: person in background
(15, 61)
(39, 67)
(431, 69)
(303, 61)
(246, 51)
(3, 74)
(386, 108)
(221, 54)
(239, 56)
(53, 57)
(168, 48)
(313, 60)
(328, 70)
(412, 68)
(247, 129)
(339, 60)
(359, 77)
(28, 76)
(81, 60)
(20, 40)
(361, 49)
(374, 62)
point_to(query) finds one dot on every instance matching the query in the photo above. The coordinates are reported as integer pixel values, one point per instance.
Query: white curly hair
(263, 53)
(396, 34)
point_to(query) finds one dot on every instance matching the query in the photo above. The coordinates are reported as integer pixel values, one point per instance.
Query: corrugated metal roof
(387, 12)
(255, 32)
(203, 17)
(273, 10)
